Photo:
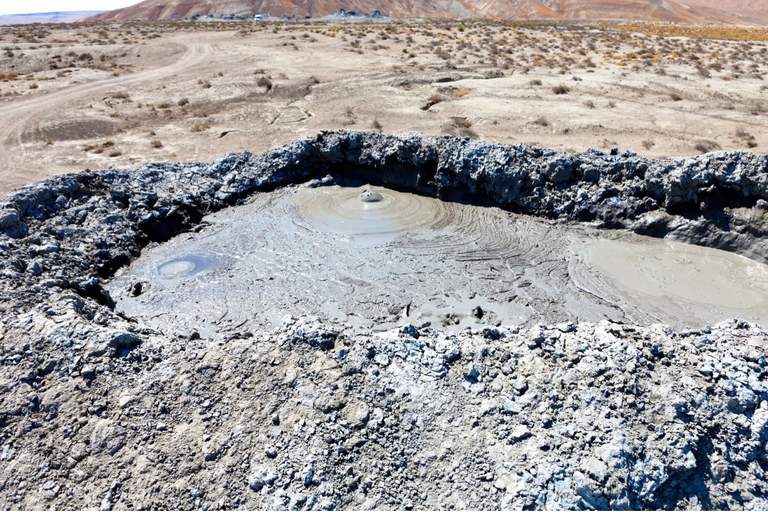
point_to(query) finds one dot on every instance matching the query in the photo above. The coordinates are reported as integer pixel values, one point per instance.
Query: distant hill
(754, 12)
(46, 17)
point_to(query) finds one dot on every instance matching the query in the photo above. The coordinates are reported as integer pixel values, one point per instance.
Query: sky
(33, 6)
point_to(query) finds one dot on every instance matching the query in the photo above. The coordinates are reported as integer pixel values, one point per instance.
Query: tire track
(21, 116)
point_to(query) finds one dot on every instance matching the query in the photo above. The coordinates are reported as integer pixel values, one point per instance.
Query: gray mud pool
(374, 257)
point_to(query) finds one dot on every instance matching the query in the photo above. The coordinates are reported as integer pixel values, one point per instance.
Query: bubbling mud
(375, 257)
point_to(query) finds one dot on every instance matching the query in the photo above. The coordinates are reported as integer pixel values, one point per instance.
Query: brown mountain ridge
(749, 12)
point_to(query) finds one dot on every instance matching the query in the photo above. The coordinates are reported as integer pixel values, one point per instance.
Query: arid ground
(118, 95)
(209, 386)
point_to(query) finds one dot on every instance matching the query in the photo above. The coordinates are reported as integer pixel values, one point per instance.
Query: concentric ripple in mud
(376, 257)
(369, 215)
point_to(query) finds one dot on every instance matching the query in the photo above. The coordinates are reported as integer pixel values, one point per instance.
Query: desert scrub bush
(542, 121)
(164, 105)
(108, 144)
(33, 85)
(461, 122)
(204, 83)
(561, 89)
(200, 127)
(156, 144)
(182, 102)
(535, 82)
(747, 137)
(589, 104)
(703, 72)
(115, 153)
(377, 125)
(676, 96)
(460, 93)
(707, 146)
(264, 81)
(648, 143)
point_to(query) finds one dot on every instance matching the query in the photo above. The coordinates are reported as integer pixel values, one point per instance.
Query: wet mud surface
(375, 257)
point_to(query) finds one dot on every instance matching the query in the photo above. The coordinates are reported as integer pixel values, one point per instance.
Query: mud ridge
(99, 410)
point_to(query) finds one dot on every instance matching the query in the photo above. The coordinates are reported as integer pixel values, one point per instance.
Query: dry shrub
(561, 89)
(156, 144)
(201, 127)
(676, 96)
(648, 143)
(182, 102)
(377, 125)
(460, 93)
(115, 153)
(707, 146)
(264, 81)
(462, 122)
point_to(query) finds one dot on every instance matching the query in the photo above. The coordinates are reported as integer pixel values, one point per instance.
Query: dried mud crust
(101, 411)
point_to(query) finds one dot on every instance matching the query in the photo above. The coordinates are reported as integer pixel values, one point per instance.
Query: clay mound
(685, 11)
(100, 409)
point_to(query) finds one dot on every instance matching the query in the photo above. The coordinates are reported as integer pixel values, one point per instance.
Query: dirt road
(16, 166)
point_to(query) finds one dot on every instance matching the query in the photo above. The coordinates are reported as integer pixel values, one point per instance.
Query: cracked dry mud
(360, 320)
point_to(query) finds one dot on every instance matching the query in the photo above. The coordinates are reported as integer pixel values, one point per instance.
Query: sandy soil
(119, 95)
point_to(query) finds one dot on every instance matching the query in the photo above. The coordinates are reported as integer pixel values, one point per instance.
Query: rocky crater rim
(75, 230)
(316, 415)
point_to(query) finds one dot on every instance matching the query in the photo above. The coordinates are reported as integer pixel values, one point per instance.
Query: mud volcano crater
(355, 319)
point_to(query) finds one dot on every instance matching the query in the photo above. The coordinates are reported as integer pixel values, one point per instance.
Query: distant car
(258, 17)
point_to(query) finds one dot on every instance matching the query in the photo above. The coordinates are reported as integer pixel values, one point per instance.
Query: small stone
(35, 268)
(125, 400)
(471, 372)
(519, 433)
(88, 372)
(262, 476)
(270, 451)
(307, 475)
(8, 217)
(357, 415)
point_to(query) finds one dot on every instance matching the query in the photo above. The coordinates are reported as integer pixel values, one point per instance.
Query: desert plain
(101, 95)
